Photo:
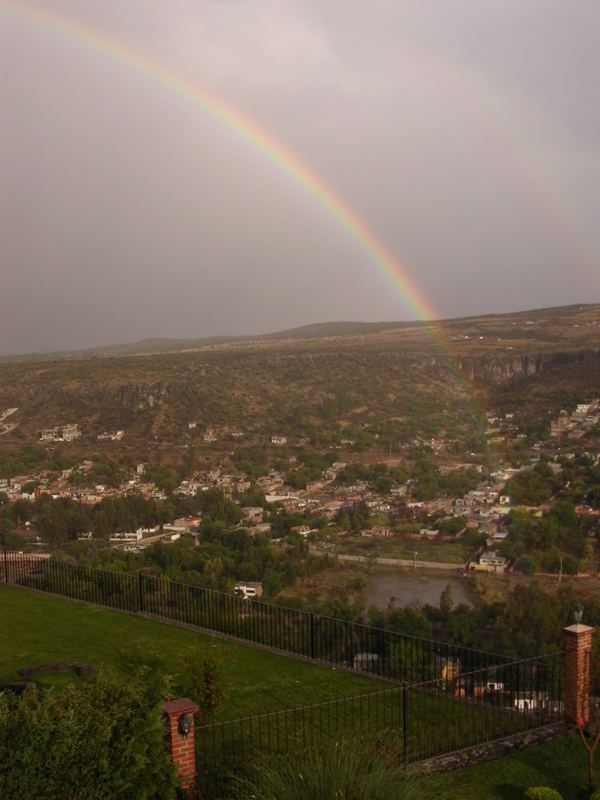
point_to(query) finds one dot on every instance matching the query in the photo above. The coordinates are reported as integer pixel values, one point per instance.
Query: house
(128, 536)
(249, 590)
(113, 436)
(253, 514)
(365, 662)
(280, 498)
(468, 687)
(242, 485)
(378, 530)
(148, 531)
(489, 561)
(450, 668)
(263, 527)
(526, 701)
(331, 508)
(184, 524)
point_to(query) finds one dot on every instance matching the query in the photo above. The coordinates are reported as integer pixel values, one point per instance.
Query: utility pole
(560, 571)
(415, 561)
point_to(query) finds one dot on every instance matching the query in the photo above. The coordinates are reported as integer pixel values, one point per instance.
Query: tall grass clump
(350, 769)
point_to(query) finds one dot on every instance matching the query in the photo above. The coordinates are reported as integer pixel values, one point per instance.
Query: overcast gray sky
(465, 133)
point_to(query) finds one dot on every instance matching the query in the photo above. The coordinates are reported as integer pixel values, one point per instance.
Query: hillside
(368, 385)
(157, 345)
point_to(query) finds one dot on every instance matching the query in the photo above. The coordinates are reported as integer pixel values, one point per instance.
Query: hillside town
(354, 509)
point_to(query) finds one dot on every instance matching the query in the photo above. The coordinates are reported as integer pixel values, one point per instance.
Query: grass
(37, 629)
(560, 763)
(401, 547)
(352, 769)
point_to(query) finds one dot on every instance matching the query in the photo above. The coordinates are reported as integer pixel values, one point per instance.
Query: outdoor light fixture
(184, 725)
(577, 610)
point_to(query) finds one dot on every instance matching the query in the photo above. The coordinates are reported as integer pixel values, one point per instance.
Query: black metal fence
(449, 697)
(337, 642)
(408, 723)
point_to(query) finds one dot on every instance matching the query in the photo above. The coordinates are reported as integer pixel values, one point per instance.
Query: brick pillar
(182, 747)
(578, 656)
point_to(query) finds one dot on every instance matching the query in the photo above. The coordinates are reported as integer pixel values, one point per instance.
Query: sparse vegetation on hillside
(376, 388)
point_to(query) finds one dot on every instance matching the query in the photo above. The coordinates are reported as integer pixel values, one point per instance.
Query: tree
(271, 582)
(356, 586)
(446, 601)
(23, 511)
(52, 524)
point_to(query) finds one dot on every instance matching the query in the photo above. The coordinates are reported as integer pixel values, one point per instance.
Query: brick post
(182, 747)
(578, 659)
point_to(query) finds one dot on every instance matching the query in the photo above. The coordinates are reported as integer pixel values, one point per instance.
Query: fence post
(140, 591)
(5, 566)
(312, 635)
(405, 720)
(578, 658)
(179, 721)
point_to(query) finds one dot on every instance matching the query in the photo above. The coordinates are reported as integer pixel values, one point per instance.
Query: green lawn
(36, 629)
(560, 763)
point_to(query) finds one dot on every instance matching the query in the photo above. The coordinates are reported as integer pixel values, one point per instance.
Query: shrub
(350, 769)
(542, 793)
(101, 740)
(203, 669)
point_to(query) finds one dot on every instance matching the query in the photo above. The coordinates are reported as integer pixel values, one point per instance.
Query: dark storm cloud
(466, 134)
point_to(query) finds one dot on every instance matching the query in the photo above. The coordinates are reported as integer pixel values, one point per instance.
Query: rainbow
(248, 130)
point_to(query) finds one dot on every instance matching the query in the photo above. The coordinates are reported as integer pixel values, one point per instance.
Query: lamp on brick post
(179, 719)
(578, 658)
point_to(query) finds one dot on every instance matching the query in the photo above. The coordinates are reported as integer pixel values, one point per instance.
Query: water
(414, 589)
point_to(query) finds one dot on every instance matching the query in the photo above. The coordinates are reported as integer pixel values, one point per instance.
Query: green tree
(446, 601)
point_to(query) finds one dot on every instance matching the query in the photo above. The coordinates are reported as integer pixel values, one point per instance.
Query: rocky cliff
(498, 369)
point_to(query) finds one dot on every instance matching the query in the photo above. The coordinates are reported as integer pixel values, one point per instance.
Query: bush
(102, 740)
(203, 669)
(542, 793)
(350, 769)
